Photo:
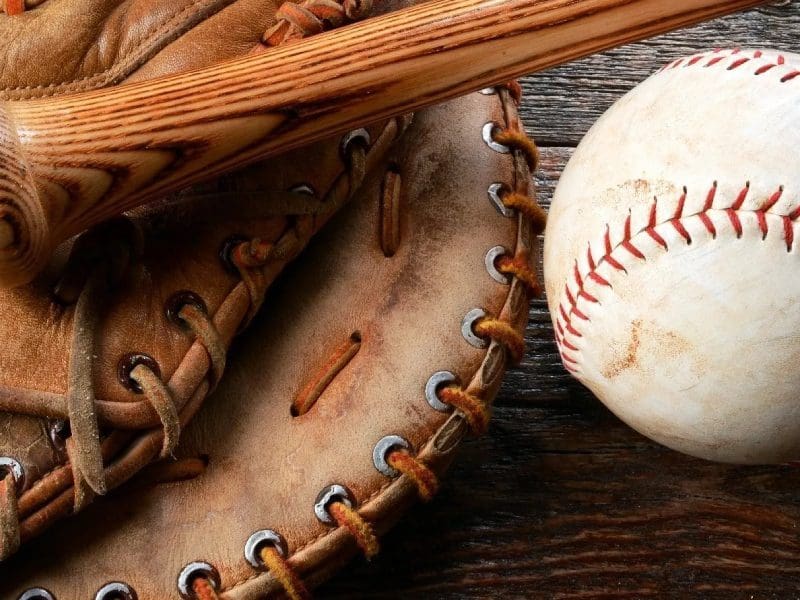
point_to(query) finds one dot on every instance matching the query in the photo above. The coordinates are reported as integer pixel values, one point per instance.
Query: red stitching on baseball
(681, 229)
(709, 225)
(712, 193)
(579, 314)
(590, 258)
(569, 346)
(720, 55)
(741, 197)
(738, 63)
(733, 215)
(563, 314)
(788, 232)
(681, 203)
(607, 256)
(597, 279)
(566, 314)
(577, 274)
(773, 200)
(570, 298)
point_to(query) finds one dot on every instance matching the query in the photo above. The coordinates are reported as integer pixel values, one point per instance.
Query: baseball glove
(110, 352)
(348, 396)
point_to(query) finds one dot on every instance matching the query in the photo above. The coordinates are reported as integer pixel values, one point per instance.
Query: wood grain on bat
(96, 154)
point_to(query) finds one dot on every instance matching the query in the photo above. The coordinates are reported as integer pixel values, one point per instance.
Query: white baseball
(672, 257)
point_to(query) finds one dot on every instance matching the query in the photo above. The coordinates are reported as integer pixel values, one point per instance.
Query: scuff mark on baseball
(672, 262)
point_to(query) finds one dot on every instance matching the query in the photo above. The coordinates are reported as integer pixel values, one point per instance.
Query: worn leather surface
(66, 46)
(69, 45)
(692, 224)
(266, 467)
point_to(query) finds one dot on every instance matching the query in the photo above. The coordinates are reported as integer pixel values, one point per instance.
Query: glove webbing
(474, 410)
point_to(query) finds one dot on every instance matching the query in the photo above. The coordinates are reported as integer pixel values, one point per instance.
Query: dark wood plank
(565, 502)
(560, 499)
(561, 104)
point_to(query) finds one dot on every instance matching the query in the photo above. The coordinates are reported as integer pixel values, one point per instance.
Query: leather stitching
(230, 297)
(139, 54)
(407, 488)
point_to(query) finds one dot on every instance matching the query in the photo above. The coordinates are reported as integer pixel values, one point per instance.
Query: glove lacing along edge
(475, 411)
(75, 416)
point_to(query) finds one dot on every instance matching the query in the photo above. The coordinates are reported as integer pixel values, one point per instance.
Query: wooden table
(560, 499)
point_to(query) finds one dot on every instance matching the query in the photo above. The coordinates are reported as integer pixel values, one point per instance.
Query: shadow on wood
(561, 500)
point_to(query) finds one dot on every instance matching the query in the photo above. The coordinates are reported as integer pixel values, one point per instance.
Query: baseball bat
(69, 162)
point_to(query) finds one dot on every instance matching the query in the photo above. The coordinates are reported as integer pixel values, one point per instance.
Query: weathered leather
(63, 46)
(266, 467)
(67, 46)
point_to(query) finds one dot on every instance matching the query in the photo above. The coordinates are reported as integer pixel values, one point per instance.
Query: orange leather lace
(203, 589)
(475, 410)
(418, 473)
(520, 268)
(283, 572)
(17, 7)
(472, 407)
(348, 517)
(99, 260)
(296, 20)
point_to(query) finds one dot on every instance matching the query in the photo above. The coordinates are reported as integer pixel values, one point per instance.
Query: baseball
(672, 258)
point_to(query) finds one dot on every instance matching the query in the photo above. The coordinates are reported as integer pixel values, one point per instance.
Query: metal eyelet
(59, 431)
(36, 594)
(488, 91)
(350, 138)
(303, 188)
(14, 467)
(116, 590)
(436, 381)
(496, 191)
(468, 328)
(226, 252)
(381, 451)
(328, 495)
(191, 572)
(265, 537)
(491, 265)
(176, 303)
(128, 363)
(488, 137)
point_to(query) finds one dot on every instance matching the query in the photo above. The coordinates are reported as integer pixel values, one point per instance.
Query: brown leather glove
(348, 396)
(108, 354)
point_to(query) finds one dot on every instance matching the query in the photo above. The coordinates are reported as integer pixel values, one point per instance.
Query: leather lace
(88, 294)
(296, 20)
(475, 410)
(99, 260)
(472, 407)
(17, 7)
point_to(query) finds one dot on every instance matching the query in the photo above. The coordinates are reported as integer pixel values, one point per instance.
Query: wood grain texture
(73, 161)
(560, 499)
